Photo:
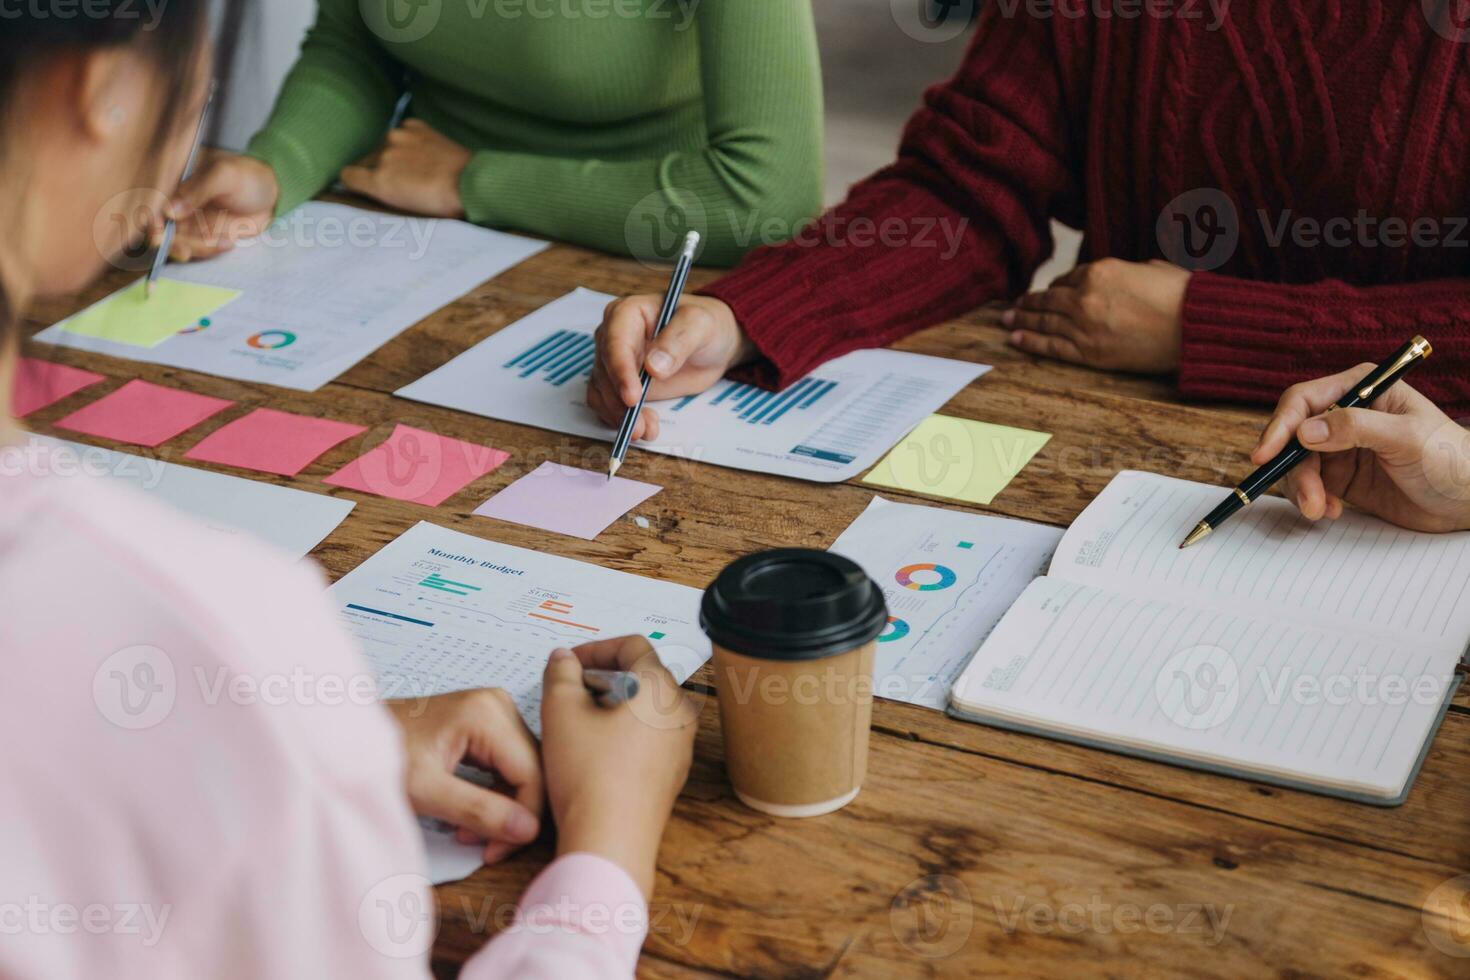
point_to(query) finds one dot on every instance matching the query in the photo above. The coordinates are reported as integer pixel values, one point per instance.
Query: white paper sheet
(948, 577)
(295, 521)
(324, 287)
(827, 427)
(438, 611)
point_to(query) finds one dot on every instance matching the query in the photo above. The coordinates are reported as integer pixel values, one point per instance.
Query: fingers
(1047, 345)
(1058, 299)
(1050, 311)
(480, 812)
(1304, 488)
(563, 673)
(623, 653)
(1300, 402)
(607, 403)
(1073, 277)
(216, 181)
(360, 180)
(501, 742)
(689, 330)
(621, 341)
(1395, 438)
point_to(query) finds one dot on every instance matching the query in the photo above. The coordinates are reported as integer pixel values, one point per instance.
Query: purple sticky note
(41, 383)
(418, 466)
(143, 413)
(566, 500)
(272, 441)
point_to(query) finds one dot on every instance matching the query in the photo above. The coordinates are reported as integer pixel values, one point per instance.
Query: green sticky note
(130, 317)
(958, 458)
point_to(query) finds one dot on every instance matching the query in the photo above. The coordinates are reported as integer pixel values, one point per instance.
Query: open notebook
(1318, 657)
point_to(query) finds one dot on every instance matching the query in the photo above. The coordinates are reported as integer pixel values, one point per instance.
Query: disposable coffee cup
(794, 635)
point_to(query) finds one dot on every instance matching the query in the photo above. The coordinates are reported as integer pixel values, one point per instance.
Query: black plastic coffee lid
(793, 604)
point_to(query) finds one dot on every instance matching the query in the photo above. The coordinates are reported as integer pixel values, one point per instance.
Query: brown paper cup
(796, 731)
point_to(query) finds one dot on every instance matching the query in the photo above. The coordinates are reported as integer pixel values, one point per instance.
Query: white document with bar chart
(827, 427)
(1316, 656)
(437, 611)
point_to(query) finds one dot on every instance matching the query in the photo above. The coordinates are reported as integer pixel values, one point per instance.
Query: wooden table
(970, 851)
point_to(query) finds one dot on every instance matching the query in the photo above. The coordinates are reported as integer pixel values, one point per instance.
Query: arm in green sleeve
(334, 107)
(758, 176)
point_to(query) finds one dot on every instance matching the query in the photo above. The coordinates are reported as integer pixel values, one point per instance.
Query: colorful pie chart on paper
(926, 577)
(271, 339)
(896, 629)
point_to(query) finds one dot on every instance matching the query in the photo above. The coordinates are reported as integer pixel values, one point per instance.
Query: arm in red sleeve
(1248, 341)
(961, 218)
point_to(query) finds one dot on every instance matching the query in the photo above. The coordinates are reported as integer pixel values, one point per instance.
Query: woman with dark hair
(157, 821)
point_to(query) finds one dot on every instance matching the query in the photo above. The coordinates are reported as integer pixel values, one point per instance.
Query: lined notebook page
(1357, 570)
(1210, 685)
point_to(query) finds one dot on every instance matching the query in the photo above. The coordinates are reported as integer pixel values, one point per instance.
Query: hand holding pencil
(666, 313)
(170, 227)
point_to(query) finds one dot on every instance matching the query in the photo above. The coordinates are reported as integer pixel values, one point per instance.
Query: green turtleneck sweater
(615, 124)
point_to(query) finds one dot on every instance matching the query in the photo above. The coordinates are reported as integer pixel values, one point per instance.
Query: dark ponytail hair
(171, 33)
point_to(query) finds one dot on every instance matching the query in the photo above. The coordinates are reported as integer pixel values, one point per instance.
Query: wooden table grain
(970, 851)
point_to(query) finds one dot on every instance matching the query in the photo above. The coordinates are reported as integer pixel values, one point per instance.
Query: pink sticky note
(566, 500)
(143, 413)
(41, 383)
(418, 466)
(272, 441)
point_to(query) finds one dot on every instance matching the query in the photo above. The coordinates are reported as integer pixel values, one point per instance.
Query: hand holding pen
(1403, 460)
(670, 306)
(1364, 386)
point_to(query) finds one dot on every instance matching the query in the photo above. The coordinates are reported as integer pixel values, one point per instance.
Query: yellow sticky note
(958, 458)
(130, 317)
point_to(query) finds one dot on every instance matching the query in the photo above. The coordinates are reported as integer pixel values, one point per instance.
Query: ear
(105, 90)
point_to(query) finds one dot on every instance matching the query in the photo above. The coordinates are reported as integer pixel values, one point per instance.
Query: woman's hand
(699, 345)
(417, 170)
(1403, 459)
(1110, 314)
(231, 199)
(612, 774)
(484, 729)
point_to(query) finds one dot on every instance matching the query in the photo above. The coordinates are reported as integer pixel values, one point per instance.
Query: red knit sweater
(1296, 112)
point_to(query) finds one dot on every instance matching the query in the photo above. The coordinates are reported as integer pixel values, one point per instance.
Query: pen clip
(1418, 347)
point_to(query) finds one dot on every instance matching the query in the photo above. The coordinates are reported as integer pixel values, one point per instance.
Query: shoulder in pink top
(197, 779)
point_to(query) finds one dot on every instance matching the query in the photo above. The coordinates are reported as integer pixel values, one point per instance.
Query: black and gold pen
(1379, 380)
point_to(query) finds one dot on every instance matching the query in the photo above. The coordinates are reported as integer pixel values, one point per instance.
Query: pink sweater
(194, 783)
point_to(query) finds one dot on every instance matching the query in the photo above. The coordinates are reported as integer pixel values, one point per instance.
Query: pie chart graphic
(896, 629)
(271, 339)
(926, 577)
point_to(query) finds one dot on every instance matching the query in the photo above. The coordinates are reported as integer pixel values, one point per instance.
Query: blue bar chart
(559, 358)
(757, 406)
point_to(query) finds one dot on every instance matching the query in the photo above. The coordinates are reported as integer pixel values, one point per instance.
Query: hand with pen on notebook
(1403, 460)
